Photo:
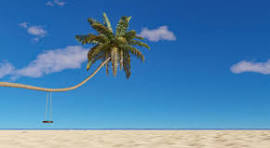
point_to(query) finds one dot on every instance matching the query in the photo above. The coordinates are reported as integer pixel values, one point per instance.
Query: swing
(48, 109)
(50, 90)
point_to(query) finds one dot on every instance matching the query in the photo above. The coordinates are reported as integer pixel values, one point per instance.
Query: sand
(133, 139)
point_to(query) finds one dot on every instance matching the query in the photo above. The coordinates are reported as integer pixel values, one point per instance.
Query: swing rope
(50, 90)
(48, 108)
(50, 117)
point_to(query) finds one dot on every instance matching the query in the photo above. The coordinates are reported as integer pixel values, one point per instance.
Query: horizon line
(134, 128)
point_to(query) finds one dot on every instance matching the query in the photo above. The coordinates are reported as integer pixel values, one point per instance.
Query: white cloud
(55, 2)
(50, 61)
(6, 69)
(37, 31)
(161, 33)
(53, 61)
(246, 66)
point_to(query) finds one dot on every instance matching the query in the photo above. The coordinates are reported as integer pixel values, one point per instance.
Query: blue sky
(208, 67)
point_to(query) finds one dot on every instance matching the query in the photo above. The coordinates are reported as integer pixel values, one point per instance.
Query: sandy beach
(133, 139)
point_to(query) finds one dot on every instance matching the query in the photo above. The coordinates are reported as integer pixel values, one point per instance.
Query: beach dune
(134, 139)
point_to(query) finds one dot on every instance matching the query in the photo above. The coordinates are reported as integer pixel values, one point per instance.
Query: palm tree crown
(118, 45)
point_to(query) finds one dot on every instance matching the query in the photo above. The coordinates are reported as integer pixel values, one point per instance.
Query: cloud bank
(246, 66)
(50, 61)
(161, 33)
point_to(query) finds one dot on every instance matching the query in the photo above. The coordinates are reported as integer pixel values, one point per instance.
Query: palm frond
(91, 38)
(139, 43)
(100, 28)
(94, 59)
(89, 64)
(134, 51)
(91, 51)
(92, 21)
(139, 37)
(122, 26)
(130, 35)
(96, 50)
(107, 22)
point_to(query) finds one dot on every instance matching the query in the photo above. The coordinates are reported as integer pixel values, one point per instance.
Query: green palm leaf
(97, 49)
(139, 37)
(107, 22)
(130, 35)
(100, 28)
(134, 51)
(94, 59)
(139, 43)
(90, 38)
(122, 26)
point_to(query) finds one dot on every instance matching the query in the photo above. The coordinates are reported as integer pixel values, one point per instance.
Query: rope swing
(48, 109)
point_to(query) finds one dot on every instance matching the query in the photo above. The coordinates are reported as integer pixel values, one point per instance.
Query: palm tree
(118, 45)
(109, 47)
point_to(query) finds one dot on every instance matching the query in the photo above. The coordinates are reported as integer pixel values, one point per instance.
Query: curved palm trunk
(17, 85)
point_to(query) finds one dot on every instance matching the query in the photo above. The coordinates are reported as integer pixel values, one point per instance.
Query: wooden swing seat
(47, 121)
